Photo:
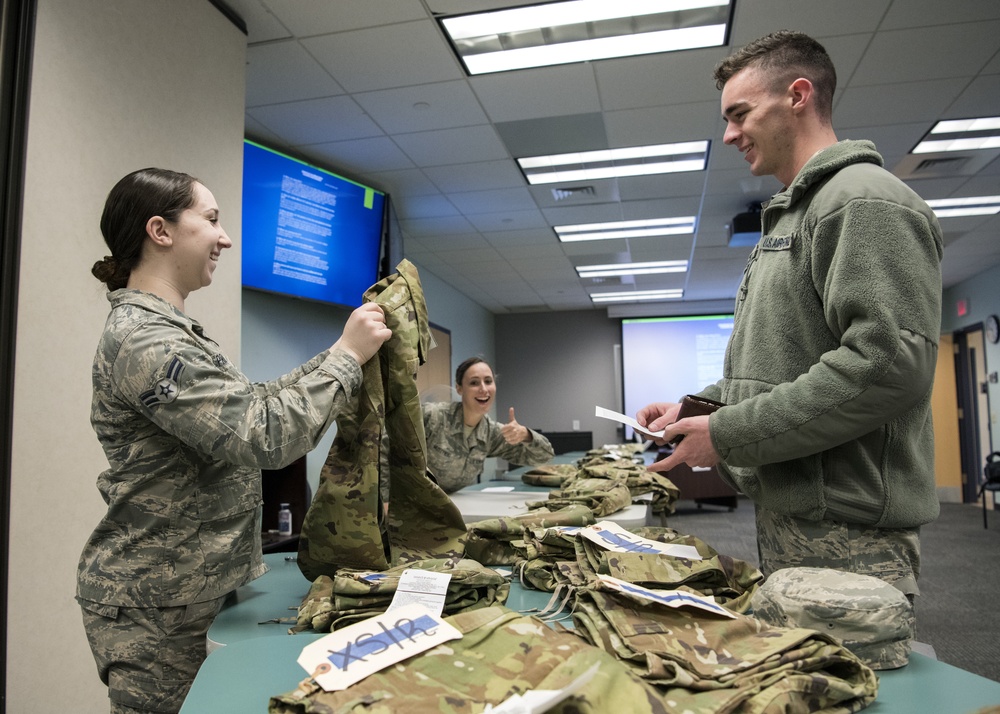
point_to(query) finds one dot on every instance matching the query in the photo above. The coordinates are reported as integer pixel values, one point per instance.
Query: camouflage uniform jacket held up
(185, 434)
(343, 527)
(456, 461)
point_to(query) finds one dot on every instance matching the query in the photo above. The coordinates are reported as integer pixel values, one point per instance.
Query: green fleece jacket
(831, 361)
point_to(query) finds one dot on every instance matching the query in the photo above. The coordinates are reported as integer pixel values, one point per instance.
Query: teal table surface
(253, 662)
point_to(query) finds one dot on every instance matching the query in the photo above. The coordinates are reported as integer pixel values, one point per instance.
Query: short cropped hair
(784, 56)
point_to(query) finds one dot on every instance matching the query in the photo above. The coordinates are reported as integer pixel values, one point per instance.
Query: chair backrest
(991, 473)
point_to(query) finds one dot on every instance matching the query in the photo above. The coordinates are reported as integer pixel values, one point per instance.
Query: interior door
(973, 412)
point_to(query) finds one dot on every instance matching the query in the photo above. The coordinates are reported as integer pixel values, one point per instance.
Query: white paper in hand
(615, 416)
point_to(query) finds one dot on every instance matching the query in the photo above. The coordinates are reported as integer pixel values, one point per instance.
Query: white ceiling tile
(662, 124)
(428, 207)
(980, 99)
(452, 146)
(501, 200)
(537, 93)
(317, 17)
(445, 225)
(476, 176)
(384, 57)
(410, 183)
(901, 55)
(922, 13)
(362, 155)
(895, 103)
(424, 107)
(316, 121)
(507, 220)
(262, 25)
(756, 18)
(284, 72)
(653, 80)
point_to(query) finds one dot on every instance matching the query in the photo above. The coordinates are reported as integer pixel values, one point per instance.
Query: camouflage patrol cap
(869, 616)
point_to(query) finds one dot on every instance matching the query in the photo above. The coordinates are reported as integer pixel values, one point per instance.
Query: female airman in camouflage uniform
(186, 435)
(460, 435)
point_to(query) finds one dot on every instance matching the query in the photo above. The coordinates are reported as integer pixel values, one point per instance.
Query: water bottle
(284, 520)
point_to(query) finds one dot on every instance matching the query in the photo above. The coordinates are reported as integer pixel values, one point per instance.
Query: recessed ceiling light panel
(638, 295)
(961, 135)
(626, 229)
(615, 163)
(971, 206)
(556, 33)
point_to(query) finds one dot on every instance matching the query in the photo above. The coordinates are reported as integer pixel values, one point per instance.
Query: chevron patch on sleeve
(167, 389)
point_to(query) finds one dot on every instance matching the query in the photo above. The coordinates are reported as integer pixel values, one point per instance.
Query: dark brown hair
(785, 56)
(132, 201)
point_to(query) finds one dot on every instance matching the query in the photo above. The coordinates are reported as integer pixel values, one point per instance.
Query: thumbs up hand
(513, 432)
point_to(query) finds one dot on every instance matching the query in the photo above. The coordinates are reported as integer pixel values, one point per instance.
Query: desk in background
(258, 661)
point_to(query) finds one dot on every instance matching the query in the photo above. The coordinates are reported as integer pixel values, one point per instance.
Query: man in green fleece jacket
(829, 369)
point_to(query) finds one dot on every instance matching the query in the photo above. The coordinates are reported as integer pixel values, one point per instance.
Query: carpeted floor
(959, 605)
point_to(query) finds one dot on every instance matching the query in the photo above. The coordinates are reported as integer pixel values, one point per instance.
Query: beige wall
(117, 85)
(944, 407)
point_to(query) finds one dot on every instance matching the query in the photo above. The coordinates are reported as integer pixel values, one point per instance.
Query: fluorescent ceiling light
(619, 269)
(626, 229)
(555, 33)
(615, 163)
(961, 135)
(972, 206)
(637, 295)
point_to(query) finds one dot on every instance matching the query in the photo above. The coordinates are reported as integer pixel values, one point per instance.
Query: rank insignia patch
(166, 389)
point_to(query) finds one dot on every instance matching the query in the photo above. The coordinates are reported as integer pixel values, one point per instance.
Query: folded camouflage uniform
(500, 654)
(704, 662)
(498, 541)
(353, 595)
(549, 475)
(600, 495)
(639, 481)
(731, 582)
(545, 549)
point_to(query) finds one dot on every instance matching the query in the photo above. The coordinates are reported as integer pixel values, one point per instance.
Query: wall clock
(993, 329)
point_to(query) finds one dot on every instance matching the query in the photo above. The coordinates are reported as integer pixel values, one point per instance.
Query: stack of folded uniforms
(720, 661)
(501, 654)
(352, 595)
(500, 541)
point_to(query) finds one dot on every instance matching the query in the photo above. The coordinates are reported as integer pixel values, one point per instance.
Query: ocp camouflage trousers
(343, 526)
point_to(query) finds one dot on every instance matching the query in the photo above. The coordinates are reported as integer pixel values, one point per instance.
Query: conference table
(251, 661)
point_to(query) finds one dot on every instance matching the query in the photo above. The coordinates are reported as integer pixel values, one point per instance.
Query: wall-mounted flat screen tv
(664, 358)
(308, 232)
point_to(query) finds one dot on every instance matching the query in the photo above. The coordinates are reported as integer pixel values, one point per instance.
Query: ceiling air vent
(943, 164)
(563, 194)
(946, 164)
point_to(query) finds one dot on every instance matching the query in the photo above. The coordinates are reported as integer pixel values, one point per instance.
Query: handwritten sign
(347, 656)
(611, 536)
(670, 598)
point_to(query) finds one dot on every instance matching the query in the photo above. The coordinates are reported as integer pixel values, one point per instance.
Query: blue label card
(611, 536)
(669, 598)
(347, 656)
